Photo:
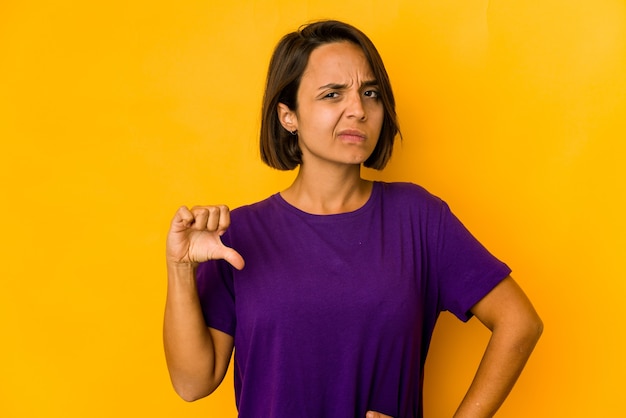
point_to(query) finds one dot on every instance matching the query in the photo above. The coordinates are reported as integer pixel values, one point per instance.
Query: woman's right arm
(197, 356)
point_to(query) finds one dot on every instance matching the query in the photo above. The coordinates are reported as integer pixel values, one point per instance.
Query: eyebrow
(336, 86)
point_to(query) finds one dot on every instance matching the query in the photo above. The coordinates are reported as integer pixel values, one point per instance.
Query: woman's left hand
(372, 414)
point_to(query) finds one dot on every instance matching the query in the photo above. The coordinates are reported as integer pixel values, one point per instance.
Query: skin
(197, 357)
(338, 120)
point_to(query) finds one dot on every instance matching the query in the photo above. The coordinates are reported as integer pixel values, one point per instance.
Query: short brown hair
(279, 148)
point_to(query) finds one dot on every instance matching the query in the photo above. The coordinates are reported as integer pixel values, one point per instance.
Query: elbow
(189, 397)
(529, 332)
(191, 390)
(189, 393)
(522, 331)
(534, 326)
(192, 386)
(537, 328)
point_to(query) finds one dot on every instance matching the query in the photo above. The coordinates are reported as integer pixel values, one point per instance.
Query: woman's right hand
(194, 236)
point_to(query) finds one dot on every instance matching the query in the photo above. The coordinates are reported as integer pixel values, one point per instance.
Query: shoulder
(250, 222)
(255, 218)
(410, 195)
(260, 208)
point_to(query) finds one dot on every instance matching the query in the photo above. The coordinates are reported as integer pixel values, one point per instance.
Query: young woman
(332, 311)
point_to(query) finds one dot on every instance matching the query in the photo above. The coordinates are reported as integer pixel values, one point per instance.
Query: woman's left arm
(516, 328)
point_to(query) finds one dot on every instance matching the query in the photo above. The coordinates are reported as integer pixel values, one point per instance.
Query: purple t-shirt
(333, 314)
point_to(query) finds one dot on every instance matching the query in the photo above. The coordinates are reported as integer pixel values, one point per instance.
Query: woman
(344, 278)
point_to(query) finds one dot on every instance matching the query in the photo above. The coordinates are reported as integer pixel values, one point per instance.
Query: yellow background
(113, 114)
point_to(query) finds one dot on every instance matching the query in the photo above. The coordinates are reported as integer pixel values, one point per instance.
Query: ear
(287, 117)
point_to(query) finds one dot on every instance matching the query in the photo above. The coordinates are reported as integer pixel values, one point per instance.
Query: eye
(374, 94)
(331, 95)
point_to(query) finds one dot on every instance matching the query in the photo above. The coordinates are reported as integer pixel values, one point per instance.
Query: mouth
(352, 136)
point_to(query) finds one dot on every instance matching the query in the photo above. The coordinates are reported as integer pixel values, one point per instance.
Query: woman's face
(339, 114)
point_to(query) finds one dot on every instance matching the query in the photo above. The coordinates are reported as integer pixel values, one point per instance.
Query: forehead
(338, 61)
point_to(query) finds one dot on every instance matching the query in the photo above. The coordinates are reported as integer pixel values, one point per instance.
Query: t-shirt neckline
(376, 186)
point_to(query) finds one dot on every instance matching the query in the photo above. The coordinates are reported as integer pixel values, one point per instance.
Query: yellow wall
(112, 114)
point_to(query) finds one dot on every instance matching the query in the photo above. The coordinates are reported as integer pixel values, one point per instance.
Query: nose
(355, 108)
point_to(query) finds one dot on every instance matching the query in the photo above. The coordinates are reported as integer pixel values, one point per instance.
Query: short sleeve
(466, 271)
(215, 290)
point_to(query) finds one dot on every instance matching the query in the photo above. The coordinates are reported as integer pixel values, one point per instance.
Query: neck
(324, 192)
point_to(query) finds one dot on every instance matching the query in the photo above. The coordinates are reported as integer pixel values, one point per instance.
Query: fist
(195, 236)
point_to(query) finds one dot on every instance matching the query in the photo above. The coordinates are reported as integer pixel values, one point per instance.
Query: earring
(294, 132)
